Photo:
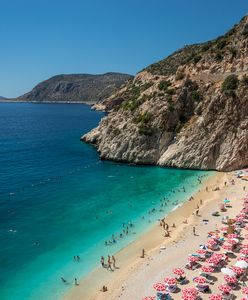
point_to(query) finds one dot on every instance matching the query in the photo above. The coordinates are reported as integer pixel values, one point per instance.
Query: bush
(197, 58)
(143, 118)
(218, 56)
(163, 85)
(179, 76)
(170, 91)
(245, 79)
(221, 44)
(146, 129)
(196, 95)
(230, 83)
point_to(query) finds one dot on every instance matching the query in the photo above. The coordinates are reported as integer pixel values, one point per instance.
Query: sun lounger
(163, 296)
(203, 288)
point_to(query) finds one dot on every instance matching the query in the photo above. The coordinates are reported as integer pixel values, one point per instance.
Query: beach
(135, 276)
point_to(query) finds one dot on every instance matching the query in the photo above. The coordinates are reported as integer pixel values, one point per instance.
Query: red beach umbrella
(212, 242)
(230, 279)
(238, 270)
(213, 260)
(215, 297)
(207, 269)
(188, 297)
(232, 236)
(192, 259)
(227, 247)
(190, 291)
(232, 242)
(245, 290)
(149, 298)
(170, 280)
(201, 251)
(200, 279)
(244, 246)
(178, 271)
(225, 288)
(244, 251)
(243, 258)
(160, 287)
(224, 228)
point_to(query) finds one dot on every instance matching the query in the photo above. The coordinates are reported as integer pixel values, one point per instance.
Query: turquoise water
(57, 199)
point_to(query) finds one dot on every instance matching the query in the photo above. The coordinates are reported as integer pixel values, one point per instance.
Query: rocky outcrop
(189, 110)
(82, 88)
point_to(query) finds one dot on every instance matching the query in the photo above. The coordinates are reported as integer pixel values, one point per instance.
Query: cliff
(189, 110)
(73, 88)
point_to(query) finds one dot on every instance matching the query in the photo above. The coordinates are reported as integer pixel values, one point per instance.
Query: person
(194, 230)
(113, 259)
(102, 261)
(167, 233)
(243, 188)
(200, 201)
(76, 283)
(78, 258)
(206, 189)
(63, 279)
(104, 289)
(109, 264)
(142, 253)
(174, 225)
(197, 212)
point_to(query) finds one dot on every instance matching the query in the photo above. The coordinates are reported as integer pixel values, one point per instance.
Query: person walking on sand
(194, 230)
(109, 264)
(102, 261)
(113, 260)
(76, 283)
(197, 212)
(142, 253)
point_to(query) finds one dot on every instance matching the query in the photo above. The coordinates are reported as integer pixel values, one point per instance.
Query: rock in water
(189, 110)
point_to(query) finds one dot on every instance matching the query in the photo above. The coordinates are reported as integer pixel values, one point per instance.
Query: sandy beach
(135, 276)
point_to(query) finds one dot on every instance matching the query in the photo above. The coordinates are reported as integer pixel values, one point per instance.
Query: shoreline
(151, 240)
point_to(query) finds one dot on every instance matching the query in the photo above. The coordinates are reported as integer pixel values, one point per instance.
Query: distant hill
(73, 88)
(2, 98)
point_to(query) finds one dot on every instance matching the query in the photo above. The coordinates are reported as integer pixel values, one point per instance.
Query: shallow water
(57, 199)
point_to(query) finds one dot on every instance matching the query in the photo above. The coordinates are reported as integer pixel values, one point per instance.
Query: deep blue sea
(58, 199)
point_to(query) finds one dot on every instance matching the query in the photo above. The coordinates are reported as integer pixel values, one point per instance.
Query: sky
(42, 38)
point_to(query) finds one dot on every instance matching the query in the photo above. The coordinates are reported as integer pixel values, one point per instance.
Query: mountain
(73, 88)
(2, 98)
(189, 110)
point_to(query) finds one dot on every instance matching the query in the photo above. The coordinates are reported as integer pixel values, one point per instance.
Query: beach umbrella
(245, 290)
(227, 247)
(232, 235)
(225, 288)
(190, 291)
(215, 297)
(244, 246)
(200, 279)
(228, 272)
(244, 251)
(243, 258)
(212, 242)
(170, 280)
(237, 270)
(201, 251)
(207, 269)
(213, 260)
(149, 298)
(178, 271)
(246, 228)
(230, 279)
(160, 287)
(226, 200)
(188, 297)
(232, 241)
(192, 259)
(224, 228)
(241, 264)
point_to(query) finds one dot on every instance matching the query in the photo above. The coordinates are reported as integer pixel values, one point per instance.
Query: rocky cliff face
(189, 110)
(76, 88)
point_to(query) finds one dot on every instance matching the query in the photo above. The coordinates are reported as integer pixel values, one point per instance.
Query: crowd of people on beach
(110, 263)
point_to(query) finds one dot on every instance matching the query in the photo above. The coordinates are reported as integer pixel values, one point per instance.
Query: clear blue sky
(41, 38)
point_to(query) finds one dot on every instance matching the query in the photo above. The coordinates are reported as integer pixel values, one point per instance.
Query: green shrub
(245, 79)
(143, 118)
(218, 56)
(233, 51)
(196, 95)
(163, 85)
(197, 58)
(179, 76)
(170, 91)
(230, 83)
(146, 129)
(221, 44)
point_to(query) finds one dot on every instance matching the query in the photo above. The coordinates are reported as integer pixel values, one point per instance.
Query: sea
(59, 200)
